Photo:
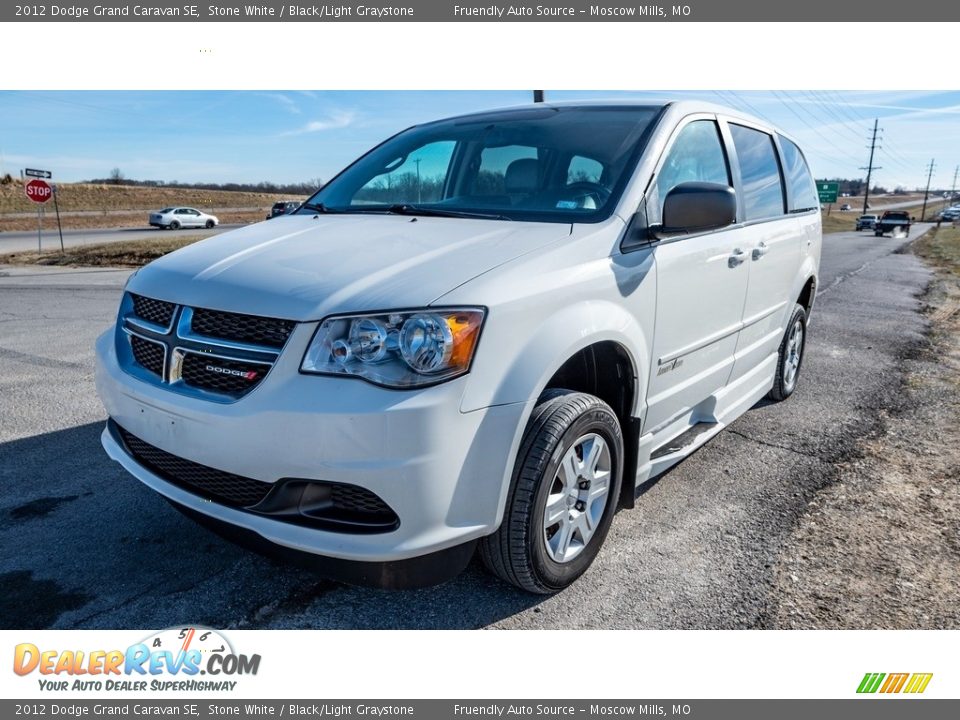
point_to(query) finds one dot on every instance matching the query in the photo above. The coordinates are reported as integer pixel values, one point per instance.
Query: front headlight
(400, 350)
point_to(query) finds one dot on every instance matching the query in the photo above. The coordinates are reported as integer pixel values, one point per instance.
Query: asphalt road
(86, 546)
(50, 241)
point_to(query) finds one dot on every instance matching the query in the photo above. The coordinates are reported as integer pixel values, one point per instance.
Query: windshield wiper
(406, 209)
(317, 207)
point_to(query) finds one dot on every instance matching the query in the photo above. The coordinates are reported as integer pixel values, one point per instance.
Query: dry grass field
(126, 253)
(103, 206)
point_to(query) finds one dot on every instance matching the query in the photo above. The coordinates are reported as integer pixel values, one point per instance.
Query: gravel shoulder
(879, 547)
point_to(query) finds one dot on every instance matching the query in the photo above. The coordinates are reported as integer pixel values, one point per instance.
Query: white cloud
(333, 121)
(285, 101)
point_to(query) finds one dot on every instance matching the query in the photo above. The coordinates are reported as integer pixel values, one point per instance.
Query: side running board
(684, 440)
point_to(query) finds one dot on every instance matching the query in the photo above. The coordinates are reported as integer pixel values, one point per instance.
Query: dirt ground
(880, 547)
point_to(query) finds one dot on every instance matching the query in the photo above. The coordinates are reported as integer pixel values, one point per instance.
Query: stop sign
(38, 190)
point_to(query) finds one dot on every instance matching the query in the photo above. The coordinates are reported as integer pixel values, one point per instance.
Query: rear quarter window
(802, 189)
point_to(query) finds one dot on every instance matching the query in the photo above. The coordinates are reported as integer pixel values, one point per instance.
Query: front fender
(518, 361)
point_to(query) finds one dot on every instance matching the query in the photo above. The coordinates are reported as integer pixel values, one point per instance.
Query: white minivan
(486, 333)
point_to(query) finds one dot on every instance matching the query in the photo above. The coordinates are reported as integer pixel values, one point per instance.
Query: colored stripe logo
(913, 683)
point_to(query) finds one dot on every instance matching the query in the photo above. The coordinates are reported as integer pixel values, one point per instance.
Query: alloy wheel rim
(794, 350)
(578, 496)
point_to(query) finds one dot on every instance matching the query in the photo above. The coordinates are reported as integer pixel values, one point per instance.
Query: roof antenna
(538, 96)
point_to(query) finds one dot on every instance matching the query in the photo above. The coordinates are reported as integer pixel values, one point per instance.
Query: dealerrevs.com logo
(910, 683)
(173, 659)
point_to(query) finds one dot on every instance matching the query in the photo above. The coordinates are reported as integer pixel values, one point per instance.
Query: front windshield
(566, 164)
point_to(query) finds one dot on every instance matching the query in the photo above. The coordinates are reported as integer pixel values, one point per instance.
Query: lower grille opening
(227, 488)
(148, 354)
(325, 505)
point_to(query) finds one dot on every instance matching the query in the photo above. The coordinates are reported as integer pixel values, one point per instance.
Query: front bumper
(444, 472)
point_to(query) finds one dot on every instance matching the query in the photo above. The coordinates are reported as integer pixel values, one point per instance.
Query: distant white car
(174, 218)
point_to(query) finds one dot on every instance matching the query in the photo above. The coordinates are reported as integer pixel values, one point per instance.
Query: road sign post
(56, 207)
(39, 191)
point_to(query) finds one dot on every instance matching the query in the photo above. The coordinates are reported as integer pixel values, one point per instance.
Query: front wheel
(563, 496)
(210, 224)
(790, 357)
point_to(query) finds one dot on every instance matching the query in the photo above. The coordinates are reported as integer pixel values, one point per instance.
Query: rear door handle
(760, 250)
(736, 258)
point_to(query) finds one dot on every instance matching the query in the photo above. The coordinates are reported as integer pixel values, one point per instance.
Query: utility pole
(953, 190)
(926, 193)
(419, 192)
(870, 168)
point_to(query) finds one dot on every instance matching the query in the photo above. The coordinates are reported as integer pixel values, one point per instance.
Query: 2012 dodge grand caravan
(488, 332)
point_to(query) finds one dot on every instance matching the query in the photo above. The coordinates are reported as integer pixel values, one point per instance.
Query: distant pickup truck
(891, 222)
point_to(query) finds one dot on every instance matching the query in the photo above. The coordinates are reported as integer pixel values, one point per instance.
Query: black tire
(517, 552)
(175, 225)
(210, 224)
(784, 384)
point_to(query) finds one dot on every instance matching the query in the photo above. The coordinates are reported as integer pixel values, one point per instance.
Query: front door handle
(760, 250)
(736, 257)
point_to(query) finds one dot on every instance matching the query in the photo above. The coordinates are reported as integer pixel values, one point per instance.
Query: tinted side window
(803, 192)
(697, 155)
(759, 173)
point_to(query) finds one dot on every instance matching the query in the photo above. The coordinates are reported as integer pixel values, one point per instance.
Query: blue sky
(290, 136)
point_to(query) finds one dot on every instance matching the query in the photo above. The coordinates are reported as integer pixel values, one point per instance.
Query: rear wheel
(563, 495)
(790, 357)
(175, 225)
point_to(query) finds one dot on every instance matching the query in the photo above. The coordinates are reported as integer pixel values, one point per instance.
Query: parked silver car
(174, 218)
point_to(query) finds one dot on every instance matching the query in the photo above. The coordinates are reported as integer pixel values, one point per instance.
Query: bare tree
(116, 176)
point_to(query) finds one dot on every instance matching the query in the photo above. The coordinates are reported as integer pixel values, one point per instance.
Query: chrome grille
(212, 354)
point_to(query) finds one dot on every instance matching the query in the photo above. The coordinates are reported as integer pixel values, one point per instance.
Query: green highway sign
(828, 191)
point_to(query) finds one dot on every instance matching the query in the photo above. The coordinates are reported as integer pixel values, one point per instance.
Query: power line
(903, 165)
(846, 108)
(844, 124)
(811, 127)
(750, 106)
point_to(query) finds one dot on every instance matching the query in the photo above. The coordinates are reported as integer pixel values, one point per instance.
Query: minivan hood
(302, 267)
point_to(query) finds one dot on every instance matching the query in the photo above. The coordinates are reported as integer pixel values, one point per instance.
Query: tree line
(307, 187)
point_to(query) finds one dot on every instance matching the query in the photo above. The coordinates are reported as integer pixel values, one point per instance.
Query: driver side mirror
(697, 207)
